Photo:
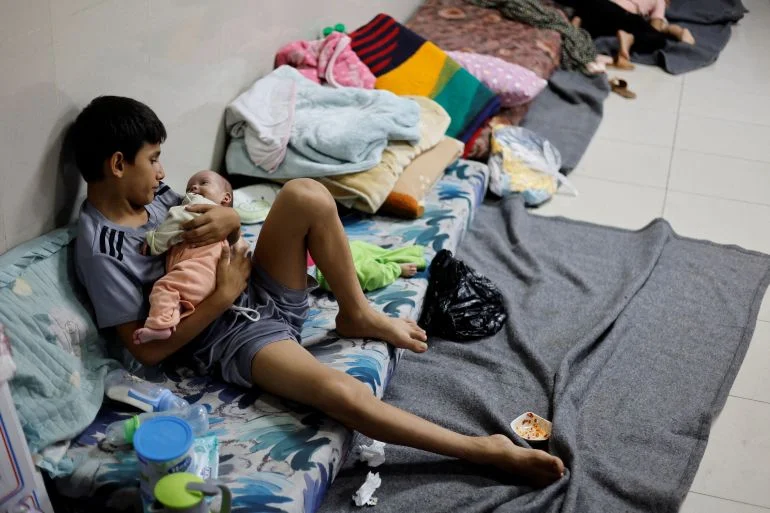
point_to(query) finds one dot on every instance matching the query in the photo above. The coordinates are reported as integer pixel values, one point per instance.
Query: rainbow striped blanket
(407, 64)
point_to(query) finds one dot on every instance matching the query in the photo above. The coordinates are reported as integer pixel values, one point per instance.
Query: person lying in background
(640, 24)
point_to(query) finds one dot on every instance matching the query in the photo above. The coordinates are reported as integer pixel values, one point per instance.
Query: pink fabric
(329, 60)
(648, 8)
(191, 276)
(514, 84)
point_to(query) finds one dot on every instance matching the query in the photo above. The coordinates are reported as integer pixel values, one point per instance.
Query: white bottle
(121, 386)
(122, 431)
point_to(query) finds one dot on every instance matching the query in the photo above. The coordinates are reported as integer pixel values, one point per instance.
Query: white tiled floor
(695, 149)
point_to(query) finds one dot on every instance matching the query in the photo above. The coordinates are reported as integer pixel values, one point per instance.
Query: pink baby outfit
(329, 60)
(191, 276)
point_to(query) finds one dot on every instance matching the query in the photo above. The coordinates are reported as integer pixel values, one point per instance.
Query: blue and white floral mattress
(276, 455)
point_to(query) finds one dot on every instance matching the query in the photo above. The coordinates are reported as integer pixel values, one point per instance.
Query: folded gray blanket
(568, 113)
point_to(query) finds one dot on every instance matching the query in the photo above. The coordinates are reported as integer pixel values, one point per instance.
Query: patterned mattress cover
(276, 455)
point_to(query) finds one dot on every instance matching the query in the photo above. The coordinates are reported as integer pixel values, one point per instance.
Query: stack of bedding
(425, 107)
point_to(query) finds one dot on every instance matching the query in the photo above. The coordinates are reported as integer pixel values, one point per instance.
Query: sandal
(620, 87)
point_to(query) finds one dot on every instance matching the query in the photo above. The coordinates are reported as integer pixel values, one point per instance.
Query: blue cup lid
(163, 439)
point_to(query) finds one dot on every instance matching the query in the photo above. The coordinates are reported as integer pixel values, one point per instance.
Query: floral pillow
(514, 84)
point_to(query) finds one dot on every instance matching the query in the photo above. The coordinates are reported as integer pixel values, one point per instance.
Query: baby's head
(211, 186)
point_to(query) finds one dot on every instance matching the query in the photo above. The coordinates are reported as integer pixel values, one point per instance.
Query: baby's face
(210, 185)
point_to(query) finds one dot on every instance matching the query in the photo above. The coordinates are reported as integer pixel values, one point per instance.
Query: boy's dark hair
(110, 124)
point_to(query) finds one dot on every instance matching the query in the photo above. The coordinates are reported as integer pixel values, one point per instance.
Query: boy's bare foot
(408, 270)
(401, 333)
(537, 467)
(143, 335)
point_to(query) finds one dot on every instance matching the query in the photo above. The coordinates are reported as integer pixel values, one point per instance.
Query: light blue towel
(60, 357)
(333, 130)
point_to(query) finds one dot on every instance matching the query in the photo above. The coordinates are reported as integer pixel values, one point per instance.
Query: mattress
(276, 455)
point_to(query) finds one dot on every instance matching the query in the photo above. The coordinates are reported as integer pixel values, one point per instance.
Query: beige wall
(185, 58)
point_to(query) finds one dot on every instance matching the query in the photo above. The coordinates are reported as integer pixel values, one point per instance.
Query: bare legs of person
(304, 216)
(625, 41)
(679, 33)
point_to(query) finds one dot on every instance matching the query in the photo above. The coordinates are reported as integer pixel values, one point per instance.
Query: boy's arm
(152, 353)
(232, 274)
(213, 225)
(170, 231)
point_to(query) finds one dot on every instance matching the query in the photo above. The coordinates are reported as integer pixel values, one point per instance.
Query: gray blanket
(568, 113)
(709, 21)
(629, 341)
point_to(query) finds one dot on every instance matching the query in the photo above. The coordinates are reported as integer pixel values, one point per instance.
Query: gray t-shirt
(110, 264)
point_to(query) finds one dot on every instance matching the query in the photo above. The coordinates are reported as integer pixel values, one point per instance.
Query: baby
(190, 272)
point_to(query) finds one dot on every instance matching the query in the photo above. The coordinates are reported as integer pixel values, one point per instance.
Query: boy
(117, 148)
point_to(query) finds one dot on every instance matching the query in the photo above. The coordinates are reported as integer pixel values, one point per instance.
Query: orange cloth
(191, 276)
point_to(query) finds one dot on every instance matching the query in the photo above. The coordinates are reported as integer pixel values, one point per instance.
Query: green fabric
(577, 48)
(378, 267)
(454, 96)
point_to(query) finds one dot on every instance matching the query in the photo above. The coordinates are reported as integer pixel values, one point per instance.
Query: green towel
(378, 267)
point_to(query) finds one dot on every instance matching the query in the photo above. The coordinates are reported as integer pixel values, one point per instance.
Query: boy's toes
(419, 334)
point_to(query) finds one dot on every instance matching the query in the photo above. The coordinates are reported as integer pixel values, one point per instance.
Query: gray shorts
(229, 344)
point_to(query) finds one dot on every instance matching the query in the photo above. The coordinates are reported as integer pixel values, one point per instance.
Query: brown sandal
(620, 87)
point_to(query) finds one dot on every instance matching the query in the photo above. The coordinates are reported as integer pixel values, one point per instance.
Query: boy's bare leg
(286, 369)
(304, 216)
(626, 41)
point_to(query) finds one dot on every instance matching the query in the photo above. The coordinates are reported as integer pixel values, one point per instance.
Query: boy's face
(142, 178)
(210, 185)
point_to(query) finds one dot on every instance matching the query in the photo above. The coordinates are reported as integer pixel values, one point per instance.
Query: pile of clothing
(376, 115)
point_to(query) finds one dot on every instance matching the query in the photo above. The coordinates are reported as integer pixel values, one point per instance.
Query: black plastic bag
(460, 304)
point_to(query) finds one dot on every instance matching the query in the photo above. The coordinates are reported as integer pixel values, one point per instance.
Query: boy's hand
(215, 223)
(232, 274)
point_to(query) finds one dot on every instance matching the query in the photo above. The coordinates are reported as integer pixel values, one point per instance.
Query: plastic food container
(532, 427)
(163, 446)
